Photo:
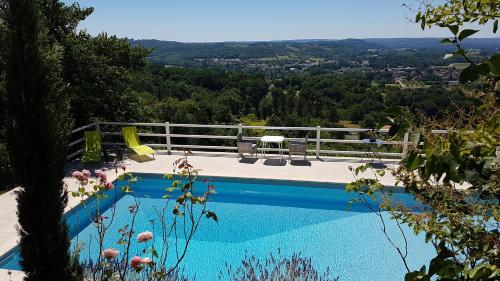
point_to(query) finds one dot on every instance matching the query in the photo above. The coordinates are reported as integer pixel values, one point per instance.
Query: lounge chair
(92, 151)
(246, 146)
(298, 148)
(132, 141)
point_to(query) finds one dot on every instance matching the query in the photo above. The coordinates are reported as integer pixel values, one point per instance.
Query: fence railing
(166, 135)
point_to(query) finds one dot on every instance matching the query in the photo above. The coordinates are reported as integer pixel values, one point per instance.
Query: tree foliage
(38, 127)
(456, 175)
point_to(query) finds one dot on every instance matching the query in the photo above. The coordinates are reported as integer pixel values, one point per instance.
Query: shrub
(296, 268)
(120, 263)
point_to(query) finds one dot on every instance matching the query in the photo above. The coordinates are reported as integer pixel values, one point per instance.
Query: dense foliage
(184, 95)
(96, 72)
(6, 173)
(37, 105)
(456, 176)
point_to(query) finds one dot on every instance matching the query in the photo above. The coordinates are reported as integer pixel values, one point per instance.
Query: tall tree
(38, 127)
(5, 169)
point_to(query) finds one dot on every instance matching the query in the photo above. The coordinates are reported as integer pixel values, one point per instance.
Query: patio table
(266, 140)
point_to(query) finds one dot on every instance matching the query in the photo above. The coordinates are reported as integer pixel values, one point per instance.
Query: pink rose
(101, 174)
(144, 236)
(123, 167)
(79, 176)
(86, 173)
(104, 177)
(109, 186)
(135, 262)
(211, 190)
(110, 253)
(146, 260)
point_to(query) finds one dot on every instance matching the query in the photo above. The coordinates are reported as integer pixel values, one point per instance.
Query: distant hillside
(281, 56)
(433, 43)
(175, 52)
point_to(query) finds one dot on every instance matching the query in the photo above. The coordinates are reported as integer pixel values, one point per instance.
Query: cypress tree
(37, 133)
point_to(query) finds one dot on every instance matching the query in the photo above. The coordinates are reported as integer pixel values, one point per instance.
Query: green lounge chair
(132, 141)
(93, 148)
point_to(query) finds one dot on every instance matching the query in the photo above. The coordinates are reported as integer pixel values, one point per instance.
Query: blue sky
(249, 20)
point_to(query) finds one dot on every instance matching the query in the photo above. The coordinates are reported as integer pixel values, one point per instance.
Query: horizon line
(303, 39)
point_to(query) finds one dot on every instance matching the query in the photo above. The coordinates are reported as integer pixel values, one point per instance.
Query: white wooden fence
(167, 138)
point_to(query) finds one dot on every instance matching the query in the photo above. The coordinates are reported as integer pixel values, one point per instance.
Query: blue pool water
(258, 217)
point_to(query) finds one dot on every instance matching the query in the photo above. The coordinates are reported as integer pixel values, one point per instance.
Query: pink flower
(123, 167)
(144, 236)
(104, 177)
(135, 262)
(146, 260)
(79, 176)
(101, 174)
(211, 189)
(109, 186)
(110, 253)
(86, 173)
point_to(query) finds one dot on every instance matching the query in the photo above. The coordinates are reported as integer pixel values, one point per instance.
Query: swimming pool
(257, 217)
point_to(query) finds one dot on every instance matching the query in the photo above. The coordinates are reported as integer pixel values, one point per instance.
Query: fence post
(167, 136)
(97, 127)
(240, 128)
(405, 144)
(318, 141)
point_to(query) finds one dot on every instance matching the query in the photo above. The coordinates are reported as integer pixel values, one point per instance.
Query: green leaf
(415, 137)
(383, 121)
(394, 110)
(171, 189)
(446, 41)
(417, 16)
(472, 72)
(444, 268)
(413, 160)
(494, 63)
(186, 186)
(494, 123)
(453, 29)
(211, 215)
(448, 56)
(466, 33)
(153, 252)
(460, 52)
(381, 172)
(495, 26)
(480, 271)
(417, 275)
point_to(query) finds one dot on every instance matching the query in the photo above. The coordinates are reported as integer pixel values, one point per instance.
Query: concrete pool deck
(326, 169)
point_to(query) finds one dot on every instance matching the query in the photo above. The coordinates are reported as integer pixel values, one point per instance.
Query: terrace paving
(326, 169)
